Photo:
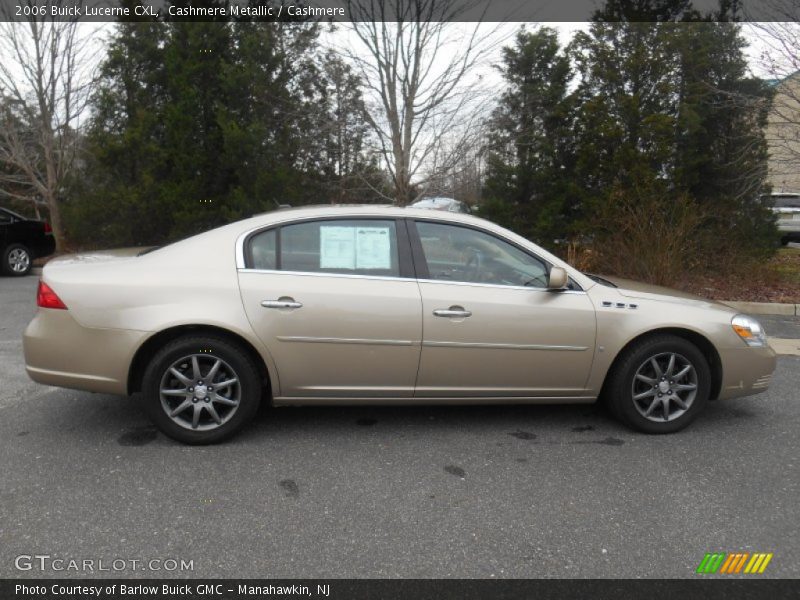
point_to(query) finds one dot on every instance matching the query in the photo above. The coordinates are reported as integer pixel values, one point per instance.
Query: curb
(36, 270)
(765, 308)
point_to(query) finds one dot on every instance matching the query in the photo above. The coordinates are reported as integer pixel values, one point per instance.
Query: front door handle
(454, 312)
(282, 302)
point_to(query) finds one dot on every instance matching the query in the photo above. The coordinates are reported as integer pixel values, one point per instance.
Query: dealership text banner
(338, 10)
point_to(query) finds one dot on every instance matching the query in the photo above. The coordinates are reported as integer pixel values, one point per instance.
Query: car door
(490, 326)
(5, 222)
(337, 306)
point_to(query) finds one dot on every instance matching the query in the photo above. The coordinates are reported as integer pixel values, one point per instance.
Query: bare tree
(417, 61)
(45, 78)
(780, 58)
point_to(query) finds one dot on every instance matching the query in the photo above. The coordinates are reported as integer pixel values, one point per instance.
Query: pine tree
(527, 183)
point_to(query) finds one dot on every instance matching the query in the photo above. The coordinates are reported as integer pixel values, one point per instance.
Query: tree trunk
(55, 221)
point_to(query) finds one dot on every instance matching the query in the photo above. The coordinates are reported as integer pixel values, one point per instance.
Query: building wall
(783, 136)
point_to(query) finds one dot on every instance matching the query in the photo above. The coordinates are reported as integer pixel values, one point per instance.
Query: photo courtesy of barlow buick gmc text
(388, 299)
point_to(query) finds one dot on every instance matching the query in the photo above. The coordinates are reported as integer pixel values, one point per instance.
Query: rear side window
(787, 201)
(361, 247)
(263, 250)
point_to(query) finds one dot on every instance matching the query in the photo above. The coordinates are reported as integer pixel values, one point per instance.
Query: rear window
(787, 201)
(362, 247)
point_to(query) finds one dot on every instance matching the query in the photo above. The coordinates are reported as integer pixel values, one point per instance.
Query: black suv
(21, 241)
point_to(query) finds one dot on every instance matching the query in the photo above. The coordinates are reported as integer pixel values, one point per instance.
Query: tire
(639, 397)
(17, 260)
(234, 405)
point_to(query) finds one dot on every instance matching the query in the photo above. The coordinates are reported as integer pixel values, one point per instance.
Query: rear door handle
(282, 302)
(454, 312)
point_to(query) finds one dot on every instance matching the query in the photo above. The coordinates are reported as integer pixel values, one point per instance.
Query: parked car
(446, 204)
(23, 240)
(372, 305)
(786, 206)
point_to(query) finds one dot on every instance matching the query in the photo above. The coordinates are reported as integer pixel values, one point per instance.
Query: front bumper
(61, 352)
(746, 371)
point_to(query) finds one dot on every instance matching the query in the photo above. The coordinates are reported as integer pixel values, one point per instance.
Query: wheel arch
(151, 345)
(700, 341)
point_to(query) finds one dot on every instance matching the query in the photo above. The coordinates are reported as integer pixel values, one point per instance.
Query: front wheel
(201, 389)
(17, 260)
(660, 385)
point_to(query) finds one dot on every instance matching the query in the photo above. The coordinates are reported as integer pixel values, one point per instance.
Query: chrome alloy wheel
(664, 387)
(200, 392)
(19, 260)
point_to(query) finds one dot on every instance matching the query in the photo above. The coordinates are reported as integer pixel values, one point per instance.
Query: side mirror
(558, 279)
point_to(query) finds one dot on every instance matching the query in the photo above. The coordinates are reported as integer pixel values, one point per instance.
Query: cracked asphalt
(476, 492)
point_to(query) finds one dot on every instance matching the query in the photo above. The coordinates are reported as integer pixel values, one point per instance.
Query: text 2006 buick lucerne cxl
(357, 305)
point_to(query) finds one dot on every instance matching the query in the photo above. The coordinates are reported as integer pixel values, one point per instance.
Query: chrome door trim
(365, 341)
(504, 346)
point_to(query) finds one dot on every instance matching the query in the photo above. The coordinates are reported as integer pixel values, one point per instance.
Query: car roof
(360, 210)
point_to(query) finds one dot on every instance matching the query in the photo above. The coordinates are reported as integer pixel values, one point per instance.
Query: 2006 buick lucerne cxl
(358, 305)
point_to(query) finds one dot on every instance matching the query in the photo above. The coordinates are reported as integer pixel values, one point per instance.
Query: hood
(95, 257)
(637, 289)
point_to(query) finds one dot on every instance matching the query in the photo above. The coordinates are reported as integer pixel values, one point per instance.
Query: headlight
(749, 330)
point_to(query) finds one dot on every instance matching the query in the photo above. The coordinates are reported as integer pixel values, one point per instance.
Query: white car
(441, 203)
(787, 208)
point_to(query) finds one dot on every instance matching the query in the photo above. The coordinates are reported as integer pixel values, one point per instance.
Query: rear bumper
(746, 371)
(61, 352)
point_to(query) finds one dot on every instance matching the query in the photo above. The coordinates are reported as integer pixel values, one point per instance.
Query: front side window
(462, 254)
(360, 247)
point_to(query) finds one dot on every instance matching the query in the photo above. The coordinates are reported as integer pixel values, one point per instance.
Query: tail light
(47, 228)
(47, 298)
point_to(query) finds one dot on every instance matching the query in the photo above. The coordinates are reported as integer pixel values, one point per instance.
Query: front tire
(660, 384)
(201, 389)
(17, 260)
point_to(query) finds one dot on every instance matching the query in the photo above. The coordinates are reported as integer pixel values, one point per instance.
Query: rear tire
(659, 385)
(213, 389)
(17, 260)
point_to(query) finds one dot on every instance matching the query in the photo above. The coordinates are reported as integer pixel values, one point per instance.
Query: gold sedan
(374, 305)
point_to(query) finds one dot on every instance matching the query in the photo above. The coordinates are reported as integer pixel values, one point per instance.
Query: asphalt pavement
(508, 491)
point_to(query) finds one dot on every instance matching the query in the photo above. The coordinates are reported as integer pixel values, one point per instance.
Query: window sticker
(337, 247)
(373, 248)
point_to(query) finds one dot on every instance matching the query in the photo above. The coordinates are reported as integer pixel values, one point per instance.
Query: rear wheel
(201, 389)
(660, 384)
(17, 260)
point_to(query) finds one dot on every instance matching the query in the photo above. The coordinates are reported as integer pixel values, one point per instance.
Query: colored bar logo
(732, 563)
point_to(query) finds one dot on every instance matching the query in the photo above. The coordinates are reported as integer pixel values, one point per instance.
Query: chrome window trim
(318, 274)
(241, 266)
(434, 281)
(501, 286)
